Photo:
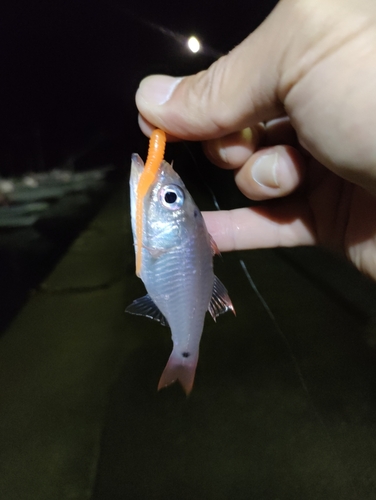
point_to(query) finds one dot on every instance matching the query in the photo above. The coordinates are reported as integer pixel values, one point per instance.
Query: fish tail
(181, 368)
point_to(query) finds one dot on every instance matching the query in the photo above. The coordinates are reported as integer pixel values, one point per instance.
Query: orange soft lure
(156, 151)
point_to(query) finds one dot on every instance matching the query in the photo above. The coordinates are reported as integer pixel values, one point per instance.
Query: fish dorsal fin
(220, 301)
(144, 306)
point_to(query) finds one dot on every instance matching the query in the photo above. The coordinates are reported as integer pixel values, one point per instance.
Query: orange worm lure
(157, 145)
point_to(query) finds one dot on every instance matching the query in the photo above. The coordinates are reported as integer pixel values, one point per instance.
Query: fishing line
(203, 180)
(280, 333)
(277, 327)
(255, 289)
(297, 369)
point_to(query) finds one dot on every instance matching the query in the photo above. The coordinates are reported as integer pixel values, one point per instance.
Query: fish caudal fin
(182, 368)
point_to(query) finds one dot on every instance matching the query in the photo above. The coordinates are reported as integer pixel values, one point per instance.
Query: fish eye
(171, 197)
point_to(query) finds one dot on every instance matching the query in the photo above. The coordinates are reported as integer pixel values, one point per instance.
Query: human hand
(312, 62)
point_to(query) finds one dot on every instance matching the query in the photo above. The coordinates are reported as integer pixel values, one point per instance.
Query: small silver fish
(176, 268)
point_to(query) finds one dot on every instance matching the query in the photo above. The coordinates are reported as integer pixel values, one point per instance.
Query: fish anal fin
(144, 306)
(179, 369)
(220, 301)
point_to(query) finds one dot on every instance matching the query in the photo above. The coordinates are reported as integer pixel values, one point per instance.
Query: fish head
(137, 167)
(170, 216)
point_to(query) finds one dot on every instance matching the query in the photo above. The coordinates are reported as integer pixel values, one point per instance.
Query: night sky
(70, 69)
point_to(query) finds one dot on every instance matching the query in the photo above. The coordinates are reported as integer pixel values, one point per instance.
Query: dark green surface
(57, 362)
(283, 406)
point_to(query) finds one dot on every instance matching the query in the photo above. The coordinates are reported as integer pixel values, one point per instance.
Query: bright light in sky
(193, 44)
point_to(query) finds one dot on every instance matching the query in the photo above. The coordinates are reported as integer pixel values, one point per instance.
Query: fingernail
(221, 150)
(264, 171)
(157, 89)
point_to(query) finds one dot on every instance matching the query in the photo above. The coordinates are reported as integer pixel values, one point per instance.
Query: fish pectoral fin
(220, 301)
(144, 306)
(213, 245)
(156, 252)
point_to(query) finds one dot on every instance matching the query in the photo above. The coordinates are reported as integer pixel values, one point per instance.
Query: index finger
(286, 223)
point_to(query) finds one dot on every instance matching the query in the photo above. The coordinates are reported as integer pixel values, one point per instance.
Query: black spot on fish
(185, 354)
(195, 213)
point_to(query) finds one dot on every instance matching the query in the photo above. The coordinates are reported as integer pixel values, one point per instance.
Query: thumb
(237, 91)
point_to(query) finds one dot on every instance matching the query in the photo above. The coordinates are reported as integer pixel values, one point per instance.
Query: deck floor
(283, 405)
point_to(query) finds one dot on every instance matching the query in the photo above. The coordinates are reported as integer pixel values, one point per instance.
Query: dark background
(69, 73)
(70, 70)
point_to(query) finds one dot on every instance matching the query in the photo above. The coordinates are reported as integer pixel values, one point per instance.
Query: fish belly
(180, 282)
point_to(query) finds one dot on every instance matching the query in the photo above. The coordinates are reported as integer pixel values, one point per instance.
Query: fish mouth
(137, 167)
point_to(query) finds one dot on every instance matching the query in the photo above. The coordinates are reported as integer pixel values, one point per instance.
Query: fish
(174, 258)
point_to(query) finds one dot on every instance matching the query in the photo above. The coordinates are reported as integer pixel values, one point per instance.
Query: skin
(292, 110)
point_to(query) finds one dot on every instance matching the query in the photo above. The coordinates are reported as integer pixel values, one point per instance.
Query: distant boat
(22, 198)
